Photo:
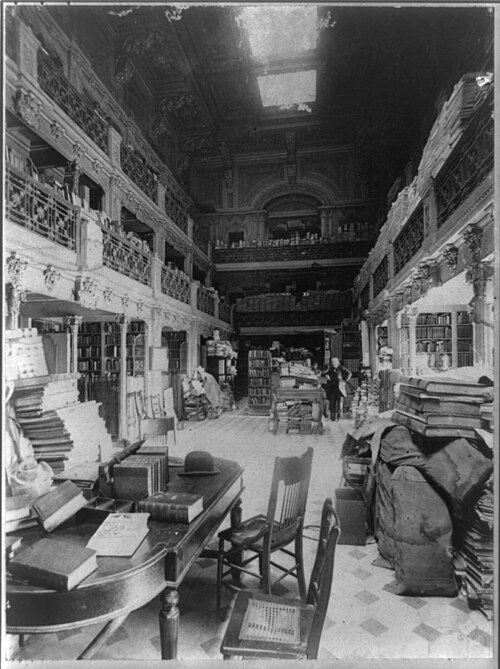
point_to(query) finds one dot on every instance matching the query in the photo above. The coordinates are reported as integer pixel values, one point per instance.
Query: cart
(299, 409)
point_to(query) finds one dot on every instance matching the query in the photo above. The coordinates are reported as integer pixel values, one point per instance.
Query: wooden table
(121, 585)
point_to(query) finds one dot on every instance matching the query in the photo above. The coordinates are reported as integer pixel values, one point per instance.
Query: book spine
(171, 513)
(39, 576)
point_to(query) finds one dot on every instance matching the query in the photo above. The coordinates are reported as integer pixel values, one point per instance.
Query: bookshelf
(382, 336)
(176, 344)
(259, 382)
(99, 348)
(351, 348)
(465, 340)
(404, 345)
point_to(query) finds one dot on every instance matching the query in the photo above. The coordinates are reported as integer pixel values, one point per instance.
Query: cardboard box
(351, 511)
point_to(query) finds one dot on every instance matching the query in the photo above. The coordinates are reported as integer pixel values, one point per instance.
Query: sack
(30, 477)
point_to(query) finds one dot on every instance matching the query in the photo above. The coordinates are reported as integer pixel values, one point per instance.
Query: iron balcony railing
(175, 284)
(39, 208)
(206, 300)
(119, 254)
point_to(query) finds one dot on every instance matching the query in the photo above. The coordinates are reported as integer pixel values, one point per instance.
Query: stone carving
(107, 294)
(478, 274)
(122, 320)
(72, 321)
(86, 291)
(29, 108)
(15, 269)
(408, 292)
(56, 131)
(96, 166)
(450, 255)
(400, 297)
(472, 236)
(51, 278)
(78, 151)
(125, 302)
(421, 279)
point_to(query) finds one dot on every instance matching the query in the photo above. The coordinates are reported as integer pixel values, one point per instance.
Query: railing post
(156, 266)
(90, 243)
(28, 53)
(161, 195)
(123, 321)
(216, 304)
(194, 295)
(114, 146)
(190, 228)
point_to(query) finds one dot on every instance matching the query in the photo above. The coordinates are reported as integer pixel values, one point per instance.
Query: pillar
(123, 321)
(74, 322)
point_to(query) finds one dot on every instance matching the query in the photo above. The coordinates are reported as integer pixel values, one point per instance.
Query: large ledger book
(420, 425)
(138, 476)
(172, 507)
(59, 505)
(120, 534)
(441, 418)
(53, 563)
(447, 385)
(439, 404)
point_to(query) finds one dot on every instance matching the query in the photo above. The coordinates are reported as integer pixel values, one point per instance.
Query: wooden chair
(266, 627)
(267, 534)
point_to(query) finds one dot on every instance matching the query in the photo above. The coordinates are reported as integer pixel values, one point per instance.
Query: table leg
(169, 624)
(237, 556)
(107, 632)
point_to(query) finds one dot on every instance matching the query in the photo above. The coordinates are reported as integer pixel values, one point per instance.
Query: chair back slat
(289, 489)
(320, 585)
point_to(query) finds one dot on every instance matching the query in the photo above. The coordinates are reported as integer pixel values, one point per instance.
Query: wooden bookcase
(99, 348)
(176, 344)
(259, 382)
(351, 348)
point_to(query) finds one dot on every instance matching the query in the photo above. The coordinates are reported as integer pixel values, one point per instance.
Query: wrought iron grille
(206, 300)
(468, 164)
(380, 276)
(37, 207)
(176, 210)
(123, 257)
(225, 312)
(409, 240)
(175, 285)
(200, 240)
(85, 112)
(135, 166)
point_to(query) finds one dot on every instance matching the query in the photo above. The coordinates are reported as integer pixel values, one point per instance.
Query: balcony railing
(312, 300)
(318, 251)
(120, 255)
(206, 300)
(85, 112)
(410, 239)
(37, 207)
(225, 312)
(380, 276)
(200, 240)
(292, 318)
(175, 284)
(469, 163)
(136, 168)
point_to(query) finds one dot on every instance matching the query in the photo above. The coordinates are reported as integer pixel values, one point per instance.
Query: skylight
(288, 89)
(274, 31)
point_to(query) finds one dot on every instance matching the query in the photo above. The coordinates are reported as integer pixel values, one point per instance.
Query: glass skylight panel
(284, 30)
(288, 89)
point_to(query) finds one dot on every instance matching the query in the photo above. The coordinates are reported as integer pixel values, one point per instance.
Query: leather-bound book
(172, 507)
(58, 505)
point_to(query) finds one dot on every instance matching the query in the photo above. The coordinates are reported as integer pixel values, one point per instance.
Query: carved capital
(400, 299)
(125, 302)
(478, 275)
(472, 236)
(51, 278)
(140, 307)
(450, 255)
(29, 108)
(78, 151)
(96, 166)
(386, 309)
(85, 291)
(408, 292)
(421, 279)
(73, 322)
(107, 293)
(122, 320)
(410, 311)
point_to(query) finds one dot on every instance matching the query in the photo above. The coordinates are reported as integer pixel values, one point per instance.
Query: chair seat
(251, 532)
(268, 626)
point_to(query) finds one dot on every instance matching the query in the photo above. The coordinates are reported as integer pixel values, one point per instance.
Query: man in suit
(337, 387)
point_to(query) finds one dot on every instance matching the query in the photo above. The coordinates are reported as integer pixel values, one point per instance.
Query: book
(120, 534)
(419, 425)
(447, 385)
(58, 505)
(138, 476)
(12, 545)
(172, 507)
(17, 507)
(435, 404)
(53, 563)
(457, 420)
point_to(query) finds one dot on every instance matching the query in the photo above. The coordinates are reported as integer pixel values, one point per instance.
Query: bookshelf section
(259, 382)
(351, 348)
(99, 348)
(465, 340)
(176, 343)
(404, 345)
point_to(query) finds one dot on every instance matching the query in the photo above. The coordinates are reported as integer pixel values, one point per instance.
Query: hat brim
(200, 473)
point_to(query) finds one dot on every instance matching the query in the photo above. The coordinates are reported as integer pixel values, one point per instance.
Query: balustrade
(225, 312)
(206, 300)
(38, 208)
(85, 112)
(136, 168)
(380, 276)
(315, 251)
(468, 164)
(119, 254)
(409, 240)
(176, 210)
(175, 284)
(200, 240)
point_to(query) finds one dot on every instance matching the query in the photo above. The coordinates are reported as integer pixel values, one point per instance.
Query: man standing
(339, 376)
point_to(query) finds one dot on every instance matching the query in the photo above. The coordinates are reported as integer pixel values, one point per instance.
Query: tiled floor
(365, 620)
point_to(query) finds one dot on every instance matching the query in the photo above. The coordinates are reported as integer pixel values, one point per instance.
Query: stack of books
(476, 552)
(140, 475)
(18, 513)
(441, 406)
(365, 402)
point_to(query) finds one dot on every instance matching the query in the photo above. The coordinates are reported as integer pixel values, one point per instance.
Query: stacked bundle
(365, 401)
(441, 406)
(476, 552)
